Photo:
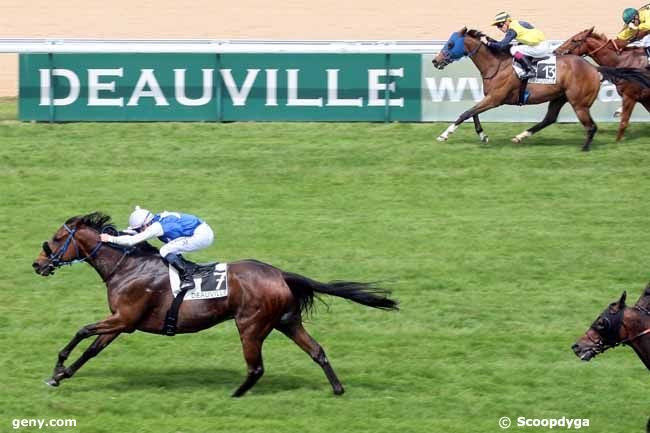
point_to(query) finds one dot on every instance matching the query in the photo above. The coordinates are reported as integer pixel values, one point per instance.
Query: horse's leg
(299, 335)
(479, 130)
(590, 126)
(252, 336)
(477, 109)
(552, 113)
(98, 345)
(628, 107)
(111, 325)
(253, 355)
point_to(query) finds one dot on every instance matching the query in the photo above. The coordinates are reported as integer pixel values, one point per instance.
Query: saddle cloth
(211, 281)
(545, 71)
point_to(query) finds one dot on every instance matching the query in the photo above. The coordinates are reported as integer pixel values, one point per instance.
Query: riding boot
(527, 64)
(184, 271)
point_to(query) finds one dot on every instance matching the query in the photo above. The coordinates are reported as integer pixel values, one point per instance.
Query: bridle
(592, 52)
(55, 259)
(576, 43)
(608, 334)
(469, 54)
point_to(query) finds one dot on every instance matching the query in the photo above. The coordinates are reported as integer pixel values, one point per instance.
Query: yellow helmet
(501, 17)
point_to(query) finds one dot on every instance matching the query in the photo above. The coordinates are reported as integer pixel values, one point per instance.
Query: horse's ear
(462, 31)
(646, 292)
(621, 302)
(591, 30)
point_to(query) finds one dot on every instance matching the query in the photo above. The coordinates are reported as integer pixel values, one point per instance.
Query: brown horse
(261, 298)
(619, 324)
(612, 52)
(578, 82)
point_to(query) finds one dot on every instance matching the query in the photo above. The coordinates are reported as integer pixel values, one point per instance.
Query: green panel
(163, 65)
(348, 78)
(327, 87)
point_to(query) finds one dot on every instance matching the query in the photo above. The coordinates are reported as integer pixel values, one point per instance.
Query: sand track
(334, 19)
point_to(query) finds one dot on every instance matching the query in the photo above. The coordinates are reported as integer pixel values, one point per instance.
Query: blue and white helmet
(139, 217)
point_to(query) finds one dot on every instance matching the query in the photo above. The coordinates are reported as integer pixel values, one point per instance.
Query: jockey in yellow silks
(636, 21)
(532, 42)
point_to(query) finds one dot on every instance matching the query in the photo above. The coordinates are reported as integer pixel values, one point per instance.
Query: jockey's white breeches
(202, 238)
(542, 49)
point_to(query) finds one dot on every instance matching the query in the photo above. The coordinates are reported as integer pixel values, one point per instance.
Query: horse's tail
(305, 289)
(640, 76)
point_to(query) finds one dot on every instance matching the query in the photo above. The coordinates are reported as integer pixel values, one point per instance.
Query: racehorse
(619, 324)
(578, 82)
(260, 298)
(612, 52)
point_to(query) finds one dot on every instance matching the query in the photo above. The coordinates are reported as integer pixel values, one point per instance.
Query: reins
(56, 258)
(616, 48)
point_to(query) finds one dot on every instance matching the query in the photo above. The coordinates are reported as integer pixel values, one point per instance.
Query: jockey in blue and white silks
(181, 233)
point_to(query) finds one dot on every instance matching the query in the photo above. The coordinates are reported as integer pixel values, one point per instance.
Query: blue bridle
(56, 258)
(454, 49)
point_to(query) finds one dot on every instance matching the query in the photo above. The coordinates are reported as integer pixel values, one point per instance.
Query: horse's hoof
(441, 138)
(485, 139)
(51, 382)
(516, 140)
(339, 390)
(585, 149)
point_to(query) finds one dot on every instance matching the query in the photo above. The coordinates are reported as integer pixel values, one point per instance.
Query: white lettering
(374, 87)
(333, 90)
(94, 87)
(271, 87)
(455, 93)
(179, 88)
(292, 92)
(73, 80)
(147, 79)
(239, 96)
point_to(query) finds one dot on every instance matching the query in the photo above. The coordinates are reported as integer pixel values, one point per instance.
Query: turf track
(501, 256)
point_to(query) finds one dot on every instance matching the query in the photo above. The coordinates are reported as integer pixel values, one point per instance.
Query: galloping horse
(619, 324)
(261, 298)
(577, 82)
(611, 52)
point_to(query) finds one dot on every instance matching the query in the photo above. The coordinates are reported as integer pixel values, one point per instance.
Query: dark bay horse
(261, 298)
(612, 52)
(619, 324)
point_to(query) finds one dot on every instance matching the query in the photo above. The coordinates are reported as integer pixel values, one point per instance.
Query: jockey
(636, 21)
(532, 42)
(180, 232)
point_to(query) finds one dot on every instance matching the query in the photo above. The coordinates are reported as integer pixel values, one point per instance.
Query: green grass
(500, 255)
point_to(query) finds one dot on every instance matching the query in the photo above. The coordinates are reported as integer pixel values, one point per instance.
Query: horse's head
(459, 45)
(604, 333)
(75, 241)
(578, 44)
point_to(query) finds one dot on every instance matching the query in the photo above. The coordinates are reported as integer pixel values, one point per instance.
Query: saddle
(206, 273)
(199, 270)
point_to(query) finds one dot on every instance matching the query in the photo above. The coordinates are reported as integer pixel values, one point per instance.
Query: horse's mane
(100, 221)
(95, 220)
(644, 299)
